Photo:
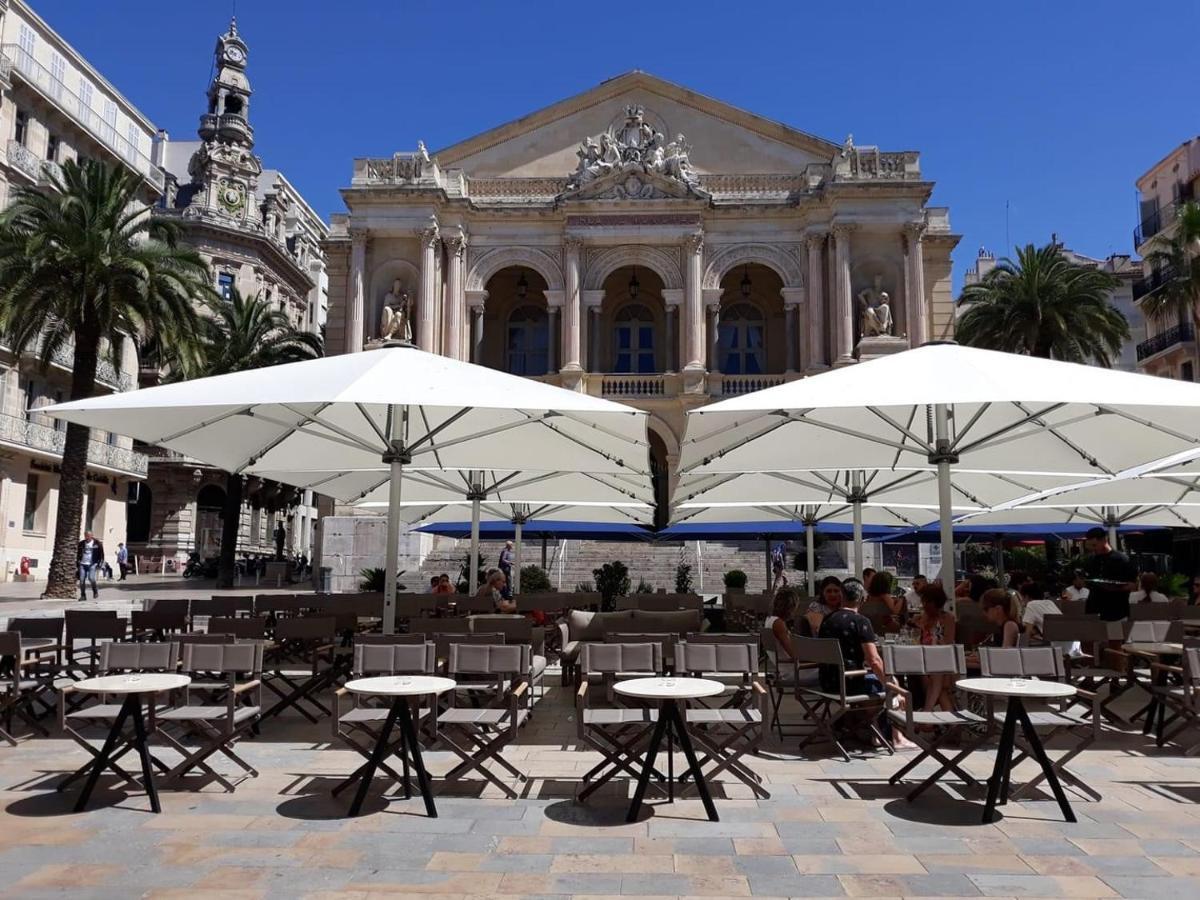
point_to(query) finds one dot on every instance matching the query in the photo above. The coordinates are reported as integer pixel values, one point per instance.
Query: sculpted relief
(636, 151)
(396, 321)
(875, 310)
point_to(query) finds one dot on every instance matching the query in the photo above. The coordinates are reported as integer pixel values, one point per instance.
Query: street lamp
(522, 286)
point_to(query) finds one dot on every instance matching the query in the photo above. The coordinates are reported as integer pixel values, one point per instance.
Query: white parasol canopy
(947, 406)
(396, 406)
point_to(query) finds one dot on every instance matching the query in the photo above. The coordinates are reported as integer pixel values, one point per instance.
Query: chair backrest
(439, 626)
(758, 604)
(311, 628)
(116, 656)
(389, 639)
(515, 628)
(161, 620)
(224, 657)
(222, 606)
(488, 659)
(1085, 629)
(720, 637)
(1152, 612)
(35, 627)
(94, 625)
(608, 659)
(470, 604)
(722, 658)
(1191, 665)
(366, 605)
(199, 637)
(395, 659)
(246, 628)
(660, 602)
(10, 644)
(1025, 662)
(1149, 630)
(945, 659)
(1073, 607)
(179, 606)
(676, 621)
(291, 605)
(1189, 613)
(822, 651)
(410, 606)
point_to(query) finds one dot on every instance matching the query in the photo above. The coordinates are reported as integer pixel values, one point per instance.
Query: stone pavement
(831, 828)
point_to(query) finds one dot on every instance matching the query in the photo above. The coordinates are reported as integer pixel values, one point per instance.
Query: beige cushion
(590, 626)
(680, 621)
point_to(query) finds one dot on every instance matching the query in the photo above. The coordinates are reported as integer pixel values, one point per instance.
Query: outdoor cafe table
(668, 693)
(1153, 650)
(133, 687)
(1016, 691)
(400, 688)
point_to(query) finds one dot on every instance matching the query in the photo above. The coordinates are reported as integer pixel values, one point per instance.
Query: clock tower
(225, 170)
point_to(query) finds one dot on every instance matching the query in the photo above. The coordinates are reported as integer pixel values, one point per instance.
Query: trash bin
(326, 580)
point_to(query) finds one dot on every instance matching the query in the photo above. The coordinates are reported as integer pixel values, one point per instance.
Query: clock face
(235, 54)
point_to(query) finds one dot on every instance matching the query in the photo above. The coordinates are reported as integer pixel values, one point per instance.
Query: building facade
(1127, 271)
(54, 106)
(641, 242)
(1170, 347)
(260, 237)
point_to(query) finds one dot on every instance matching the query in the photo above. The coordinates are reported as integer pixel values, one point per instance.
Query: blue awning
(930, 534)
(747, 531)
(543, 528)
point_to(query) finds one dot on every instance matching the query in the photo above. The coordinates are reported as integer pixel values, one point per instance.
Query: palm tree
(1044, 305)
(81, 264)
(1175, 260)
(243, 333)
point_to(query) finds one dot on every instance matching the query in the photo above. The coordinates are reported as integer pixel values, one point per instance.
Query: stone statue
(635, 133)
(677, 163)
(875, 310)
(395, 323)
(422, 153)
(633, 150)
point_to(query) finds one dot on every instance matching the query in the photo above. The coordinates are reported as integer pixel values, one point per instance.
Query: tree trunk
(231, 525)
(63, 577)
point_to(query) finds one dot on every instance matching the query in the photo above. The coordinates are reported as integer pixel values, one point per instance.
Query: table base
(671, 722)
(999, 781)
(131, 708)
(410, 751)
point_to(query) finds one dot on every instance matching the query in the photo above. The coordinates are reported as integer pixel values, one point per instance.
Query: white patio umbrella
(396, 406)
(950, 407)
(888, 498)
(518, 513)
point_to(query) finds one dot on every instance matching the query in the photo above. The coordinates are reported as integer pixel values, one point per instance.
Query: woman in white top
(1148, 594)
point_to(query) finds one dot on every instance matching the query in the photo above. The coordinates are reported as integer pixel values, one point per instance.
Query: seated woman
(830, 595)
(937, 629)
(880, 606)
(780, 620)
(998, 608)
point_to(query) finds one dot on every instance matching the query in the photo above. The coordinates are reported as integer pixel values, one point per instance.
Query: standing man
(506, 564)
(91, 560)
(1111, 578)
(912, 597)
(123, 560)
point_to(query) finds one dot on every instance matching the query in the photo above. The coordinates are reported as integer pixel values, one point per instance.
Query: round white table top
(1155, 648)
(137, 683)
(1016, 687)
(400, 685)
(669, 688)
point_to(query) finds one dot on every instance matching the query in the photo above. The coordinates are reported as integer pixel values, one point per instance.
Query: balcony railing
(63, 357)
(633, 386)
(1162, 218)
(72, 105)
(24, 160)
(732, 385)
(1143, 287)
(45, 439)
(1180, 334)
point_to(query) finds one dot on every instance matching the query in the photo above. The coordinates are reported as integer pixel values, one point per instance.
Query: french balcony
(1161, 218)
(44, 440)
(1182, 333)
(24, 160)
(63, 360)
(1147, 285)
(637, 387)
(735, 385)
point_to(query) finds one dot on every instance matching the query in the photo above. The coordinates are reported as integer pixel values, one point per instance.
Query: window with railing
(528, 341)
(21, 127)
(110, 121)
(86, 92)
(26, 39)
(29, 521)
(741, 347)
(52, 148)
(58, 76)
(225, 284)
(633, 341)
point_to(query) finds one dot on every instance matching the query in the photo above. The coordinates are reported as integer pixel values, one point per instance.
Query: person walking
(506, 566)
(123, 561)
(91, 561)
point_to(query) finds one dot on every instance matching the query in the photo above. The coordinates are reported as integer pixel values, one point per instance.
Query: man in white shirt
(1077, 589)
(1037, 607)
(1148, 582)
(912, 597)
(91, 560)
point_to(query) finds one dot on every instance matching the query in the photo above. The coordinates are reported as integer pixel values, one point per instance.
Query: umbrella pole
(856, 508)
(810, 550)
(941, 426)
(998, 558)
(473, 564)
(1110, 522)
(516, 585)
(770, 571)
(392, 557)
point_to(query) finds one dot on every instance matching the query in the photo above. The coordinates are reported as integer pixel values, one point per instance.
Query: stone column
(594, 339)
(816, 302)
(714, 335)
(693, 311)
(456, 301)
(475, 302)
(916, 321)
(427, 300)
(843, 302)
(794, 301)
(673, 298)
(355, 291)
(551, 339)
(571, 345)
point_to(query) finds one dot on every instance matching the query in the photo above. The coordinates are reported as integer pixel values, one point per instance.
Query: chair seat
(207, 714)
(1079, 672)
(101, 711)
(937, 717)
(1051, 718)
(700, 716)
(459, 715)
(537, 666)
(570, 651)
(369, 715)
(620, 716)
(851, 699)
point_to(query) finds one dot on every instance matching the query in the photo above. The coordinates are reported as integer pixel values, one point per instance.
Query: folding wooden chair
(1181, 696)
(251, 628)
(359, 726)
(303, 661)
(729, 732)
(478, 736)
(618, 733)
(826, 709)
(1045, 663)
(115, 658)
(919, 725)
(20, 691)
(219, 725)
(207, 607)
(518, 629)
(1102, 665)
(155, 624)
(42, 650)
(91, 626)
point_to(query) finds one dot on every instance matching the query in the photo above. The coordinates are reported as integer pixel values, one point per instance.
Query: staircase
(570, 563)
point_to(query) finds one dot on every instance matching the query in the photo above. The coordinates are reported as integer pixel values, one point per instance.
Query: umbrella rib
(355, 443)
(833, 487)
(1138, 420)
(581, 443)
(1028, 417)
(840, 429)
(207, 422)
(276, 441)
(431, 433)
(983, 408)
(383, 438)
(903, 429)
(436, 448)
(595, 426)
(772, 426)
(338, 430)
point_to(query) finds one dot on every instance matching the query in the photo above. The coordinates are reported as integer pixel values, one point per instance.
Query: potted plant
(735, 581)
(612, 581)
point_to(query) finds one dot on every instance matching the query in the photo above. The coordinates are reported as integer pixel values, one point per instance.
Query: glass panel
(622, 364)
(624, 337)
(31, 502)
(645, 363)
(646, 337)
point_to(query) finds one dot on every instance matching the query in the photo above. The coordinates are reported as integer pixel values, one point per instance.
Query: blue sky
(1053, 108)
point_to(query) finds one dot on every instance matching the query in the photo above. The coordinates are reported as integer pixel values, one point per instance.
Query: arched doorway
(137, 529)
(660, 480)
(210, 504)
(751, 337)
(516, 335)
(633, 326)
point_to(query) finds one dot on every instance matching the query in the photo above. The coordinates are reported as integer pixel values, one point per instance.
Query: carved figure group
(635, 147)
(395, 323)
(875, 310)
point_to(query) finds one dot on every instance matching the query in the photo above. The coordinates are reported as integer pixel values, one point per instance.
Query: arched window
(528, 341)
(741, 349)
(633, 341)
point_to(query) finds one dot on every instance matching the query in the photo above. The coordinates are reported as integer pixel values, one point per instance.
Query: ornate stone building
(260, 237)
(645, 243)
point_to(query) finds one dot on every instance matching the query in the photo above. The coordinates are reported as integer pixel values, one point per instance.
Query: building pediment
(633, 182)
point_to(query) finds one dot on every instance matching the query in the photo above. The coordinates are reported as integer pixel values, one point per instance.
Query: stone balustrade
(47, 439)
(619, 386)
(733, 385)
(24, 160)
